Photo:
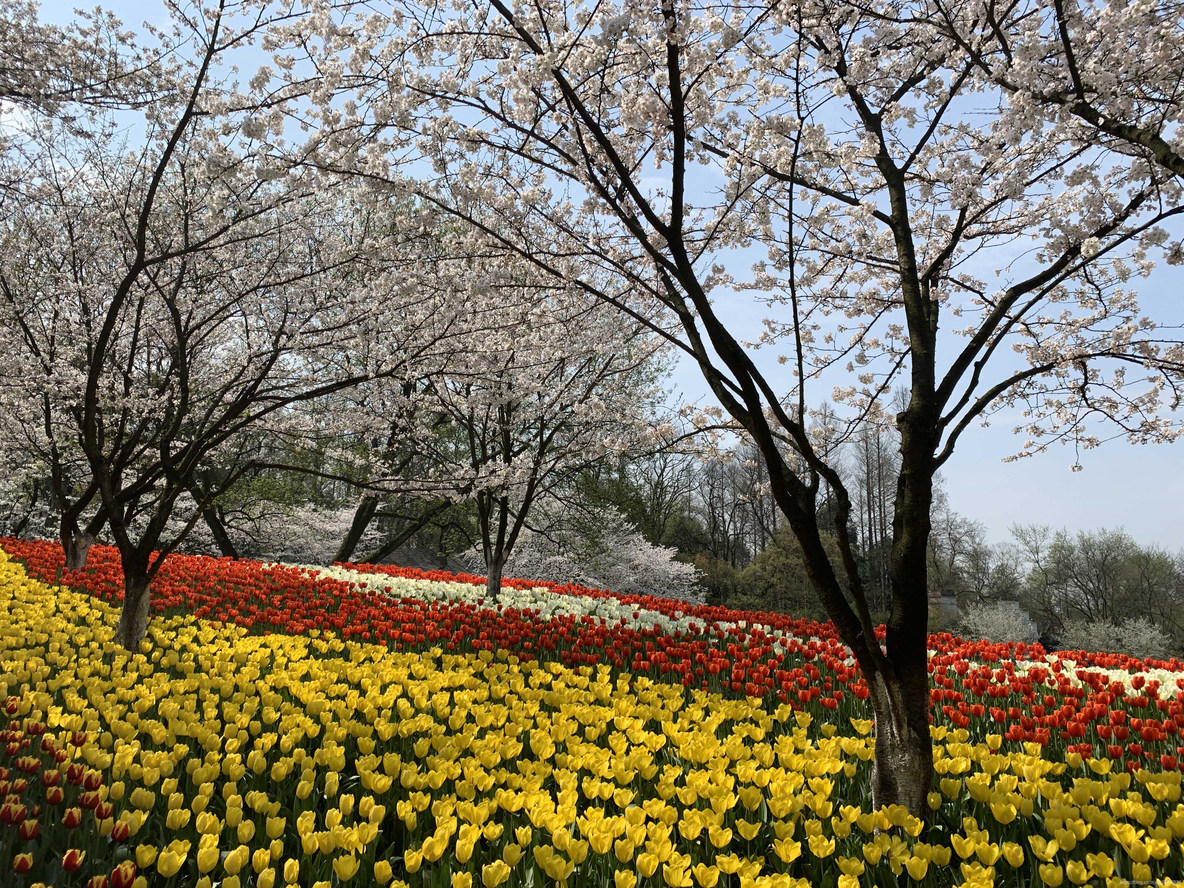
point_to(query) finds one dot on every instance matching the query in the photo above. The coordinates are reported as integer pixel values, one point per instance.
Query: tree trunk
(414, 526)
(76, 545)
(900, 693)
(363, 515)
(493, 585)
(133, 618)
(221, 536)
(903, 770)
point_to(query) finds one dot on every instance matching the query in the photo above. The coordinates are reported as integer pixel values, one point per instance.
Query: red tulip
(124, 875)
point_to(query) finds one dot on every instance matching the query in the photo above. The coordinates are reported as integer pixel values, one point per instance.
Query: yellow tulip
(1013, 854)
(291, 871)
(746, 829)
(266, 878)
(987, 853)
(788, 850)
(1100, 865)
(145, 855)
(346, 867)
(142, 798)
(207, 858)
(172, 858)
(917, 867)
(624, 879)
(1077, 872)
(720, 837)
(850, 866)
(647, 864)
(705, 875)
(821, 846)
(464, 850)
(412, 860)
(383, 872)
(462, 880)
(1051, 874)
(1043, 848)
(676, 876)
(434, 848)
(964, 845)
(236, 860)
(493, 874)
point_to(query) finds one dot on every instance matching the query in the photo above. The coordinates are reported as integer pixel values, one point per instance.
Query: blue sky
(1139, 488)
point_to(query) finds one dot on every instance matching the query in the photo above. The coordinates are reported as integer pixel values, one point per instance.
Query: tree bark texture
(133, 618)
(493, 585)
(76, 545)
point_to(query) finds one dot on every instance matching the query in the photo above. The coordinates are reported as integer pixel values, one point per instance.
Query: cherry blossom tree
(889, 187)
(160, 302)
(548, 383)
(598, 548)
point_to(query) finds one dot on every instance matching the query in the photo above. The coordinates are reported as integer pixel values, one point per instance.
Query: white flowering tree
(597, 547)
(890, 186)
(548, 383)
(159, 303)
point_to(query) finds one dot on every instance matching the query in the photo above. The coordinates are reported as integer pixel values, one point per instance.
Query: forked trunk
(133, 618)
(903, 770)
(76, 545)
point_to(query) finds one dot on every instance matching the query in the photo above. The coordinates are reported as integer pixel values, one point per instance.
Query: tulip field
(370, 725)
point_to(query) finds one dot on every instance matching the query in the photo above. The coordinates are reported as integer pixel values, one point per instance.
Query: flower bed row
(1128, 713)
(221, 757)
